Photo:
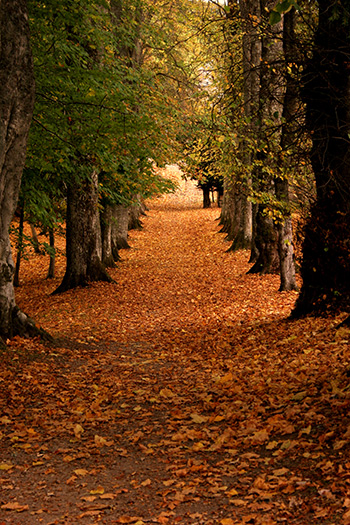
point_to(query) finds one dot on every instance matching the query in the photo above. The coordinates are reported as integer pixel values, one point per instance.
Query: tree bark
(270, 113)
(51, 270)
(106, 232)
(240, 228)
(325, 267)
(266, 243)
(19, 247)
(35, 239)
(284, 229)
(120, 227)
(83, 237)
(206, 197)
(16, 108)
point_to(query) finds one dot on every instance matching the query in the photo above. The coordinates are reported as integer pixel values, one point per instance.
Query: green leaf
(275, 18)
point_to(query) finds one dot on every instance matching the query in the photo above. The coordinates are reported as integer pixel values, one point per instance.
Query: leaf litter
(180, 394)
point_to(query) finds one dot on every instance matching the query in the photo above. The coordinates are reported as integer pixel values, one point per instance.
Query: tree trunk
(270, 113)
(83, 237)
(206, 197)
(134, 216)
(35, 239)
(240, 232)
(16, 108)
(51, 270)
(19, 247)
(120, 228)
(106, 232)
(227, 209)
(266, 243)
(285, 230)
(326, 86)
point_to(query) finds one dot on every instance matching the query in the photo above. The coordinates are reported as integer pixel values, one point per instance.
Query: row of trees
(280, 120)
(249, 95)
(106, 113)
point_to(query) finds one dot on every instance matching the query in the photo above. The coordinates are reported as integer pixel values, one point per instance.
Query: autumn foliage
(181, 393)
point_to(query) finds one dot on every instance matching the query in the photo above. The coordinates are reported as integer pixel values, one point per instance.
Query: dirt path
(180, 393)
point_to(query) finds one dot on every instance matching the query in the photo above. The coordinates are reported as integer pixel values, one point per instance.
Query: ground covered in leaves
(179, 394)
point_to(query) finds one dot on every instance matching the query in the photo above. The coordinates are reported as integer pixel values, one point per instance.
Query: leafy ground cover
(180, 394)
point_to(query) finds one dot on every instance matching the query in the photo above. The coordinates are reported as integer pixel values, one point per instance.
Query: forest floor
(181, 394)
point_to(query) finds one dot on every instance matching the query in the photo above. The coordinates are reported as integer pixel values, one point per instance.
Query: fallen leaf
(14, 505)
(81, 472)
(197, 418)
(98, 490)
(6, 466)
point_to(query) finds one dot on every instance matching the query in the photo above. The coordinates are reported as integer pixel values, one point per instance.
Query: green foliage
(99, 105)
(283, 6)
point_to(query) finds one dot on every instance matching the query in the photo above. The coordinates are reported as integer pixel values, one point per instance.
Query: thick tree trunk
(120, 228)
(83, 238)
(270, 113)
(227, 209)
(240, 232)
(16, 108)
(106, 232)
(266, 243)
(326, 252)
(206, 197)
(134, 217)
(285, 230)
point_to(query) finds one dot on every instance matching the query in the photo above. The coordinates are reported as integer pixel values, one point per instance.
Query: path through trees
(178, 394)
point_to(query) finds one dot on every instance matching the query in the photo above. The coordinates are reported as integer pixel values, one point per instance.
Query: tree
(287, 140)
(236, 199)
(16, 107)
(326, 251)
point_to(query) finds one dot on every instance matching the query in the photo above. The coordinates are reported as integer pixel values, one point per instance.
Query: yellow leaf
(198, 446)
(101, 441)
(81, 472)
(5, 466)
(227, 521)
(98, 490)
(227, 378)
(217, 419)
(299, 396)
(232, 492)
(166, 392)
(286, 444)
(271, 445)
(78, 430)
(197, 418)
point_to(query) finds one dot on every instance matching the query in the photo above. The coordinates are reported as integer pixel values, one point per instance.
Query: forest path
(179, 394)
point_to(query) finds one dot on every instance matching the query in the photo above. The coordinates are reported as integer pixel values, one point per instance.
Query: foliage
(95, 107)
(282, 6)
